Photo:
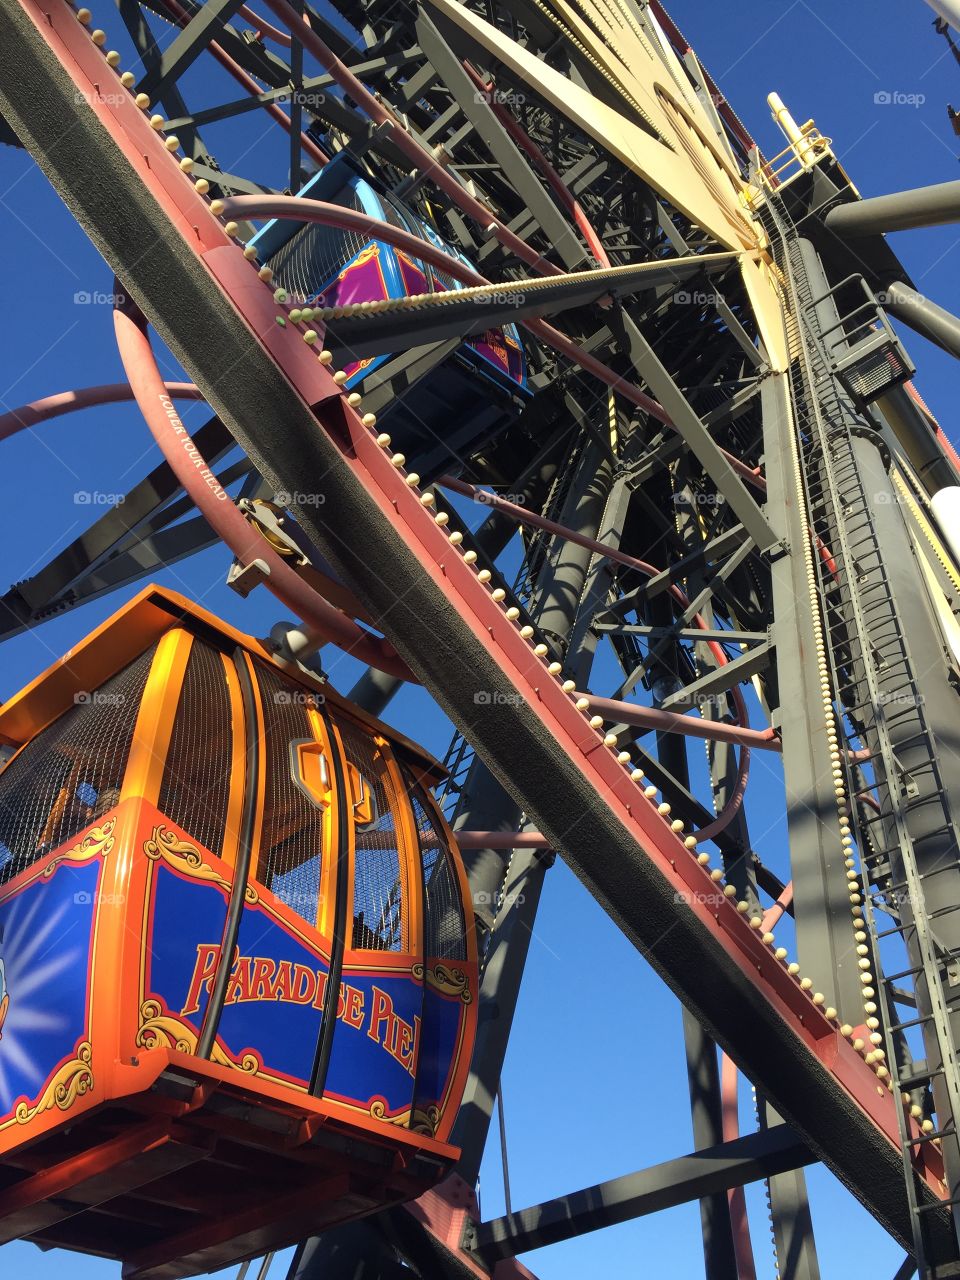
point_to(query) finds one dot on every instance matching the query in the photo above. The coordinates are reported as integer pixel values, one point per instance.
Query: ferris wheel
(532, 384)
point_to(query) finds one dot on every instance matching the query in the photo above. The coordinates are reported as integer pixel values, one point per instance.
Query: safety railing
(787, 165)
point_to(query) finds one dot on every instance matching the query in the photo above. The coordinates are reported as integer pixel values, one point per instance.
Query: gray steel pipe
(917, 438)
(900, 211)
(923, 316)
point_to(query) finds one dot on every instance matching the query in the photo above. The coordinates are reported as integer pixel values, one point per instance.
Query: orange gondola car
(238, 974)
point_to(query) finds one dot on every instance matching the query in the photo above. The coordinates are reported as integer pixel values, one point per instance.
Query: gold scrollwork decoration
(72, 1081)
(188, 860)
(425, 1120)
(418, 1119)
(97, 843)
(450, 982)
(378, 1109)
(365, 255)
(159, 1029)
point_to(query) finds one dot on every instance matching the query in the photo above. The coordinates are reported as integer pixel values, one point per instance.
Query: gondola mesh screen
(443, 927)
(291, 843)
(195, 790)
(377, 889)
(70, 773)
(316, 254)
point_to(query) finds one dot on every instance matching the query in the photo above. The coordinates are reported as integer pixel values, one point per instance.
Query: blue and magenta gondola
(466, 398)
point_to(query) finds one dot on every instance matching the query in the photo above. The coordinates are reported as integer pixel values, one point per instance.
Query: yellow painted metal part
(949, 627)
(329, 742)
(408, 849)
(927, 530)
(231, 834)
(154, 727)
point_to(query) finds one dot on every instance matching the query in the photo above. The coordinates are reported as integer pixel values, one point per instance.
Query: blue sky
(594, 1081)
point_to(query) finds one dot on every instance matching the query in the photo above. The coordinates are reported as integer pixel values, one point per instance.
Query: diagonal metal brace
(712, 1169)
(375, 329)
(688, 423)
(720, 679)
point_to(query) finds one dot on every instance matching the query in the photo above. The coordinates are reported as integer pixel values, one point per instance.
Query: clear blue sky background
(594, 1082)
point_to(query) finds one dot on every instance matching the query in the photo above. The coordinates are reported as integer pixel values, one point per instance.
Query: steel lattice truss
(692, 477)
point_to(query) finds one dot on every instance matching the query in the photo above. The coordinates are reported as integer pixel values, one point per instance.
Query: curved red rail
(63, 402)
(215, 505)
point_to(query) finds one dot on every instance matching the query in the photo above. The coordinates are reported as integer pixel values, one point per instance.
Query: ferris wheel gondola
(266, 975)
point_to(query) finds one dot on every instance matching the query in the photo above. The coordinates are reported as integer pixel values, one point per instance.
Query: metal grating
(444, 935)
(875, 373)
(861, 347)
(316, 254)
(70, 774)
(378, 905)
(291, 841)
(195, 790)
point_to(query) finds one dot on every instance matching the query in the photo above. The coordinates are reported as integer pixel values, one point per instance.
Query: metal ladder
(838, 508)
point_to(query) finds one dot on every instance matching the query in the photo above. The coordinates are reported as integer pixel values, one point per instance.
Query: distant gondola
(461, 401)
